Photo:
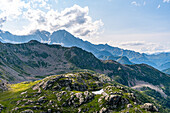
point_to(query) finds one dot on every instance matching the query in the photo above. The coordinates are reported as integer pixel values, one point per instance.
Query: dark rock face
(113, 100)
(3, 86)
(1, 107)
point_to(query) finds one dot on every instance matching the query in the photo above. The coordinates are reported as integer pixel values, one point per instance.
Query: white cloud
(135, 3)
(143, 43)
(74, 19)
(12, 8)
(142, 46)
(159, 6)
(40, 15)
(2, 20)
(39, 4)
(133, 43)
(144, 3)
(166, 1)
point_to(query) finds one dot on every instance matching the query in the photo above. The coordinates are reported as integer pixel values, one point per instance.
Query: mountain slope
(75, 92)
(120, 59)
(165, 66)
(66, 39)
(166, 71)
(35, 60)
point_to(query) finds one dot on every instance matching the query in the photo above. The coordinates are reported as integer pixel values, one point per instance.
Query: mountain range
(101, 51)
(34, 60)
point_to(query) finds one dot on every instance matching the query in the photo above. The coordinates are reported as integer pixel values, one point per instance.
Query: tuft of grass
(22, 86)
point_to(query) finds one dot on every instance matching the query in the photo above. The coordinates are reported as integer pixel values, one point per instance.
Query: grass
(22, 86)
(8, 98)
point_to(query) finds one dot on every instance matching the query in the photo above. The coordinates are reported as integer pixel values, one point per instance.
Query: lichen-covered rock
(42, 99)
(149, 107)
(103, 110)
(129, 106)
(132, 96)
(80, 98)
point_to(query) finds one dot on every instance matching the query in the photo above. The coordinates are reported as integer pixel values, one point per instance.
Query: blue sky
(140, 25)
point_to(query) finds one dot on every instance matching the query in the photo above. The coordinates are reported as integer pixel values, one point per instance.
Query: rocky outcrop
(73, 93)
(113, 99)
(70, 82)
(75, 99)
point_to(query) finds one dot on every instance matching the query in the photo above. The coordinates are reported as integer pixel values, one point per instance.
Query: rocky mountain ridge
(35, 60)
(66, 39)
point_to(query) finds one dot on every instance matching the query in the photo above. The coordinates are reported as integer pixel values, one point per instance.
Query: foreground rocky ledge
(74, 93)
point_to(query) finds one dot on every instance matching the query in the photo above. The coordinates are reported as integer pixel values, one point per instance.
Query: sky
(139, 25)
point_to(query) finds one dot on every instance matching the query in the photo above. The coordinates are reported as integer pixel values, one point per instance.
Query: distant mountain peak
(2, 31)
(63, 32)
(34, 42)
(39, 31)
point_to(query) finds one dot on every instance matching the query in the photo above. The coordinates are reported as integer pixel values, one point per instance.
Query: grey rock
(103, 110)
(49, 111)
(27, 111)
(132, 96)
(135, 103)
(129, 106)
(79, 110)
(149, 107)
(41, 99)
(23, 93)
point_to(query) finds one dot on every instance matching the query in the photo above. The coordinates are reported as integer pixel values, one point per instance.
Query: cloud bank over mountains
(74, 19)
(40, 15)
(143, 46)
